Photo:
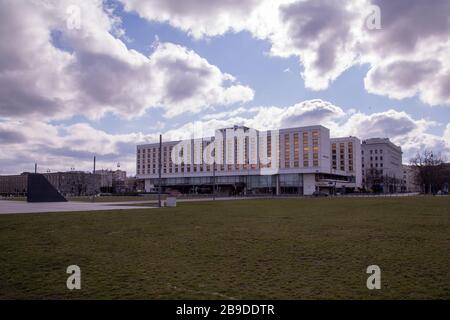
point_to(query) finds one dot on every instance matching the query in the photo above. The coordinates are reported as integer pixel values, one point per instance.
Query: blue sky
(276, 81)
(88, 94)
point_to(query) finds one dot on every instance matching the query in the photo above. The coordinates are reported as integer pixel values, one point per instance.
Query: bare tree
(431, 170)
(374, 180)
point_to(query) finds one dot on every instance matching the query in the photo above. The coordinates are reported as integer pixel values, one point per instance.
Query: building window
(305, 150)
(296, 150)
(287, 151)
(342, 156)
(315, 140)
(334, 156)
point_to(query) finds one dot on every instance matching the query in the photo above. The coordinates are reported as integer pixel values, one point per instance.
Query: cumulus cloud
(48, 71)
(189, 83)
(407, 57)
(412, 134)
(322, 34)
(390, 123)
(308, 112)
(52, 71)
(58, 147)
(11, 137)
(447, 136)
(197, 17)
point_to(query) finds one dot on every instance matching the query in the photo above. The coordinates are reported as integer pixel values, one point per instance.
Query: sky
(89, 78)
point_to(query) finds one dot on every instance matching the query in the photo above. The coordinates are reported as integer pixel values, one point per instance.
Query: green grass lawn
(252, 249)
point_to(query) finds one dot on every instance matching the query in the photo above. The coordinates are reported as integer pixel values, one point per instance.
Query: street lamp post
(93, 176)
(159, 170)
(214, 177)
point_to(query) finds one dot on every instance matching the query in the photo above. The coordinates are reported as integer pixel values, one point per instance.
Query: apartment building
(381, 165)
(13, 185)
(241, 160)
(73, 183)
(109, 179)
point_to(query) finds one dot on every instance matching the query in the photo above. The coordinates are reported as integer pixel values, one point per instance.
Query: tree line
(432, 173)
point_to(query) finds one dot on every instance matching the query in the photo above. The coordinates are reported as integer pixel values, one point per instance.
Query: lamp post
(93, 176)
(159, 170)
(214, 176)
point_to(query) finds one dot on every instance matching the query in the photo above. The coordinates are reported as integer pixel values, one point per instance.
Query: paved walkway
(9, 207)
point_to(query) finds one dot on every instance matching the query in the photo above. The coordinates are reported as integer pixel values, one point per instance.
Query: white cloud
(413, 135)
(390, 123)
(188, 82)
(197, 17)
(50, 71)
(58, 147)
(447, 136)
(407, 57)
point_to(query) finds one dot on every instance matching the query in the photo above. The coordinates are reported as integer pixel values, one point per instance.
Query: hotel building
(241, 160)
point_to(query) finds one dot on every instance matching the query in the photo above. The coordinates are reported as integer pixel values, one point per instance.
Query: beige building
(247, 161)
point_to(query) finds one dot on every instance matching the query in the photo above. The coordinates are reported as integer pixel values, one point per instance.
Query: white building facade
(381, 165)
(241, 160)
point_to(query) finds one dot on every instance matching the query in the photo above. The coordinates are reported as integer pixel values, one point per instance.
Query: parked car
(319, 194)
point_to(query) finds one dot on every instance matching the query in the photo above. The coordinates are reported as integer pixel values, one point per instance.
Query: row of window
(150, 155)
(374, 166)
(372, 158)
(305, 148)
(374, 151)
(334, 156)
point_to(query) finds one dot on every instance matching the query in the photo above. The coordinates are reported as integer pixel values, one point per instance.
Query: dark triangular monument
(41, 190)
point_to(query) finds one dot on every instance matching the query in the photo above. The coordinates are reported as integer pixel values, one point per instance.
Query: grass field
(253, 249)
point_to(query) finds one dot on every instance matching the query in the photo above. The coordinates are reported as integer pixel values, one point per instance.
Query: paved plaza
(10, 207)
